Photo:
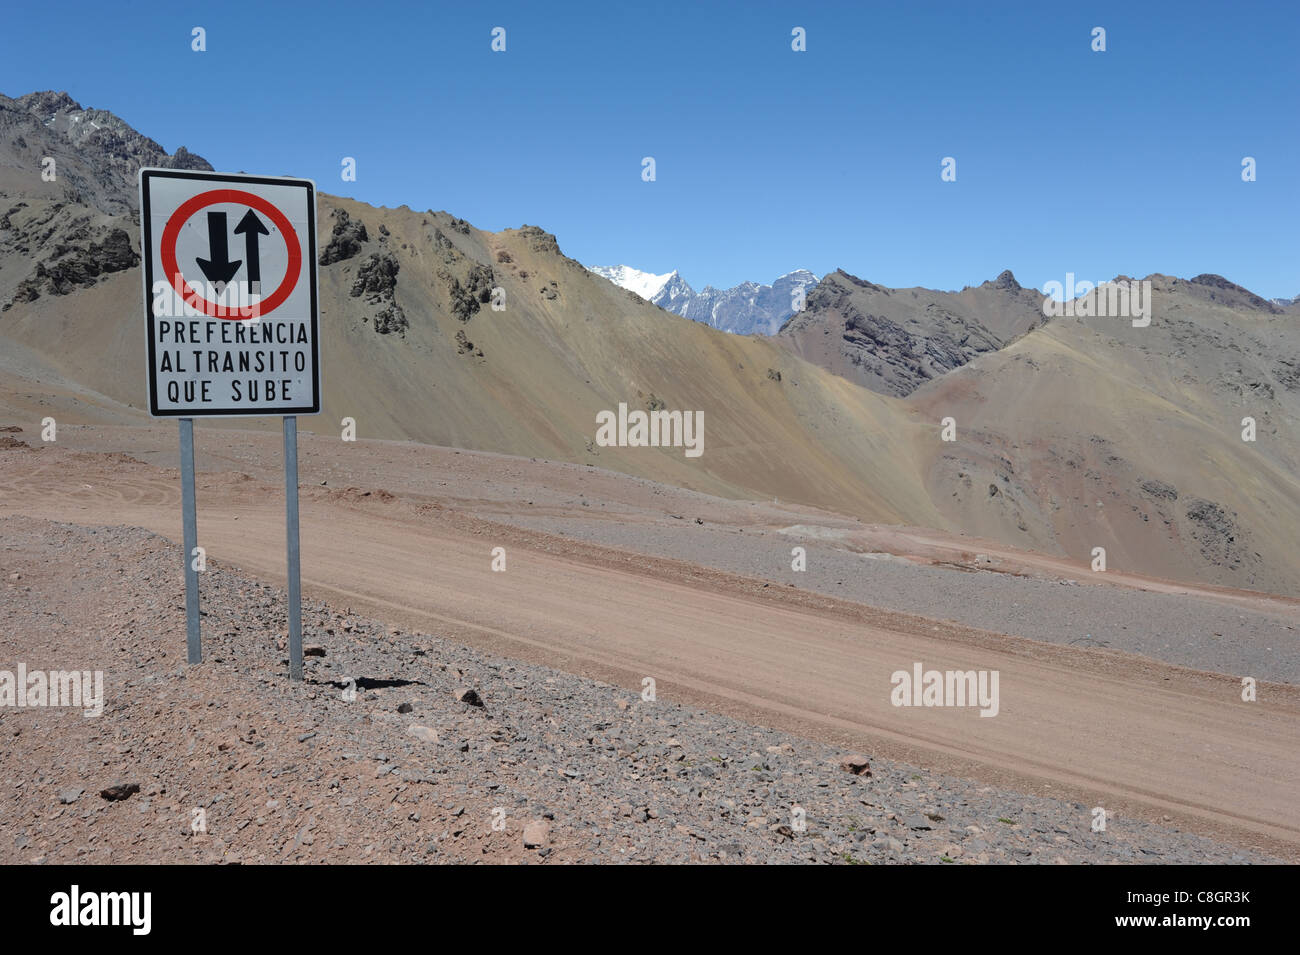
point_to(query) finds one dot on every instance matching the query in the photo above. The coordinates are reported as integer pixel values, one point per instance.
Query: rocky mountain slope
(72, 175)
(1096, 433)
(96, 155)
(413, 349)
(1070, 434)
(895, 340)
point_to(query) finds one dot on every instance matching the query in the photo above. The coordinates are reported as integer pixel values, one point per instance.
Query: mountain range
(745, 309)
(895, 340)
(1067, 433)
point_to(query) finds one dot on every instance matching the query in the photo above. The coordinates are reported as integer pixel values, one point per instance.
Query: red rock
(858, 765)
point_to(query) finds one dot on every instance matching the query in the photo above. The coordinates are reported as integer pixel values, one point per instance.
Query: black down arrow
(218, 269)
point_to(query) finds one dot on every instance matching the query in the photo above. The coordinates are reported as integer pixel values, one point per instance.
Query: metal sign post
(291, 537)
(190, 535)
(227, 336)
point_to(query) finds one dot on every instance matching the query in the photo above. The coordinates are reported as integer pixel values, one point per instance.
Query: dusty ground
(413, 549)
(569, 769)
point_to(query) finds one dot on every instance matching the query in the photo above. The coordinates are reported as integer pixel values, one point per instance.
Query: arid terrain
(403, 579)
(1070, 433)
(476, 537)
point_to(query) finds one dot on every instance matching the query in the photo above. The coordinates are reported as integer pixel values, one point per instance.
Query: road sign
(230, 294)
(231, 336)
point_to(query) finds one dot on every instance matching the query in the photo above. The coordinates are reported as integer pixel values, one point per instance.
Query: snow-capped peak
(645, 284)
(749, 308)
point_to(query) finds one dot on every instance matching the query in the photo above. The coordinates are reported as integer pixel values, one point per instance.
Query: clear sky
(1122, 162)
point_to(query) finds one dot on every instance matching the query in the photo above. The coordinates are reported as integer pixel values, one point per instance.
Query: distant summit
(1005, 281)
(96, 154)
(646, 284)
(68, 185)
(745, 309)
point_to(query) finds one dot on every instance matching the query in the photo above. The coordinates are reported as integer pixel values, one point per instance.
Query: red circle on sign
(204, 199)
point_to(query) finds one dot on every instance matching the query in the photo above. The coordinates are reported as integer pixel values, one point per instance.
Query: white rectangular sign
(230, 294)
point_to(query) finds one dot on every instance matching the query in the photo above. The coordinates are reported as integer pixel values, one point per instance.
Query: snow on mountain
(746, 309)
(645, 284)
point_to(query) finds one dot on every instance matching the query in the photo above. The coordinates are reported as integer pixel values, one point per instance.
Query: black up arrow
(251, 225)
(219, 269)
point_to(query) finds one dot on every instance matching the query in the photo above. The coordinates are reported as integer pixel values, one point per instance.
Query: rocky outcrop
(466, 347)
(1160, 490)
(467, 297)
(1215, 530)
(76, 266)
(377, 276)
(346, 239)
(377, 281)
(539, 240)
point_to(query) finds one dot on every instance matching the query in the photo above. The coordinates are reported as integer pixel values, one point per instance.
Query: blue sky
(1123, 162)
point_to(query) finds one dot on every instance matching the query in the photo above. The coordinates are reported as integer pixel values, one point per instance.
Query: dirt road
(1134, 736)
